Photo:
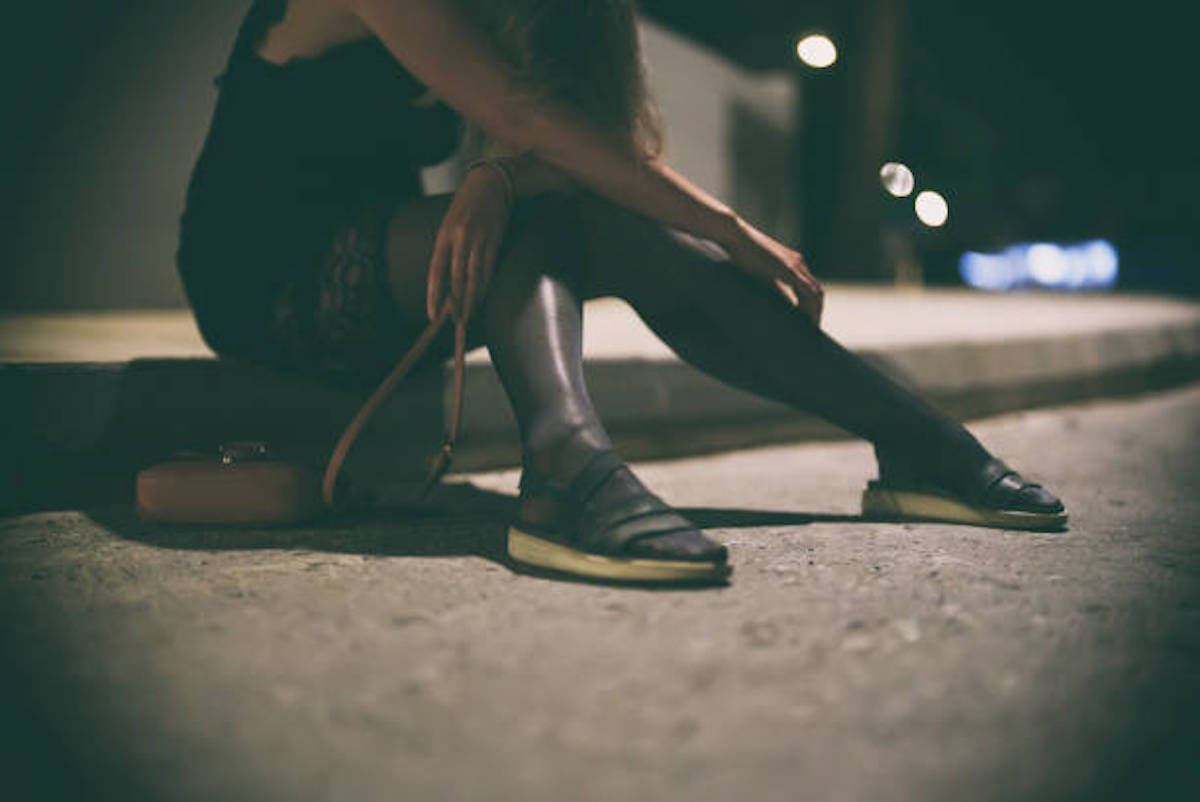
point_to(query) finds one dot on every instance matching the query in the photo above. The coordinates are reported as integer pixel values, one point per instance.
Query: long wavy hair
(584, 54)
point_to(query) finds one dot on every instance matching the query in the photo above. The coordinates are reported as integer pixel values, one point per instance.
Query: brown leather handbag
(244, 484)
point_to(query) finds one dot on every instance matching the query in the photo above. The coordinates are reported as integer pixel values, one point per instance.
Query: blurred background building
(1040, 143)
(1052, 123)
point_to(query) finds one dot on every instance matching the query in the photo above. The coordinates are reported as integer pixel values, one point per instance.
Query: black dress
(282, 238)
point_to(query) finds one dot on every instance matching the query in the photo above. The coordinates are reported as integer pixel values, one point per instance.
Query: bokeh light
(1048, 264)
(817, 50)
(1087, 265)
(932, 209)
(897, 179)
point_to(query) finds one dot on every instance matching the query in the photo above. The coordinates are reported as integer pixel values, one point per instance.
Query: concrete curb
(665, 407)
(969, 354)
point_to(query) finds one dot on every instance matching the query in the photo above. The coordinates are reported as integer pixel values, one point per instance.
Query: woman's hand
(464, 253)
(763, 257)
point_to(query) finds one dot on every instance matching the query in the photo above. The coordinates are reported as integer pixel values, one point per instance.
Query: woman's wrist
(500, 173)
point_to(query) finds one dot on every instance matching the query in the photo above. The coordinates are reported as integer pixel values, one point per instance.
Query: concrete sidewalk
(127, 387)
(401, 656)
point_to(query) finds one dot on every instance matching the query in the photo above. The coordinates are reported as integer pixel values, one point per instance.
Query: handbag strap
(440, 462)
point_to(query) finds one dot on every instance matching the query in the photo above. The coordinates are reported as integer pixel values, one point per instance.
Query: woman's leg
(531, 321)
(561, 250)
(739, 330)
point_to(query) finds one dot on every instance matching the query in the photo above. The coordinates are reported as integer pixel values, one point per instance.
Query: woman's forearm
(453, 58)
(533, 175)
(651, 187)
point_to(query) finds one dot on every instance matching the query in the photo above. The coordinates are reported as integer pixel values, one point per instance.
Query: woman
(306, 243)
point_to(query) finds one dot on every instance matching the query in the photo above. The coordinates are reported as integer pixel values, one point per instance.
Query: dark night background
(1057, 121)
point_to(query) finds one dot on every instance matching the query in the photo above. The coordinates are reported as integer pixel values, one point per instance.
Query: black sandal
(603, 543)
(997, 496)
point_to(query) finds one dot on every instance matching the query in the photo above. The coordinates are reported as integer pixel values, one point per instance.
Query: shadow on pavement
(459, 520)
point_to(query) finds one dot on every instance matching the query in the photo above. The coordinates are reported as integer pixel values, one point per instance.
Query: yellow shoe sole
(912, 506)
(533, 550)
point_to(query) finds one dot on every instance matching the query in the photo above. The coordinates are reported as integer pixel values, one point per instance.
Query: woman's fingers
(816, 295)
(435, 282)
(819, 294)
(785, 268)
(473, 265)
(480, 265)
(809, 300)
(803, 293)
(490, 250)
(463, 257)
(788, 291)
(814, 298)
(458, 271)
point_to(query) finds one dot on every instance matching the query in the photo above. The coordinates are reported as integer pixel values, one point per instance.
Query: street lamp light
(817, 50)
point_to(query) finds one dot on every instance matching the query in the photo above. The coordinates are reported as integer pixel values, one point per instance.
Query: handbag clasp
(242, 451)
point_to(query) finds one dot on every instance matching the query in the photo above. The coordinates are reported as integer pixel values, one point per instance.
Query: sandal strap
(995, 485)
(582, 485)
(575, 495)
(593, 474)
(591, 519)
(626, 521)
(611, 529)
(620, 536)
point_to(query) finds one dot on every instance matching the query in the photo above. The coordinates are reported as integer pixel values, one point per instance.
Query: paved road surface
(401, 659)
